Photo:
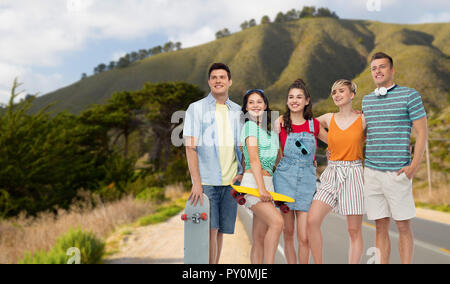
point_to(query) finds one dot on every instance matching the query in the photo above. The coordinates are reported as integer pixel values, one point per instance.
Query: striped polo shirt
(389, 123)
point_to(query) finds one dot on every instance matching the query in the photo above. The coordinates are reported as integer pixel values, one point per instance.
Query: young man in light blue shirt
(212, 128)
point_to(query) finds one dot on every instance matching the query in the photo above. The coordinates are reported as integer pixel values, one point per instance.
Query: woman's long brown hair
(307, 112)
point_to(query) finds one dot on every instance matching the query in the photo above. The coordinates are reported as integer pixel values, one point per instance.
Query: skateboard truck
(196, 218)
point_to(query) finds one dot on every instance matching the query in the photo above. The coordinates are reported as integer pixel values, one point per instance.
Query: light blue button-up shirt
(200, 123)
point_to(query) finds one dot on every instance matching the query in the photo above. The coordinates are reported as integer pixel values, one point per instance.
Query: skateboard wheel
(284, 208)
(204, 216)
(184, 217)
(234, 193)
(241, 200)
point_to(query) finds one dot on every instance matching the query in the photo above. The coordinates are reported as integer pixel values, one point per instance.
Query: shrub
(90, 247)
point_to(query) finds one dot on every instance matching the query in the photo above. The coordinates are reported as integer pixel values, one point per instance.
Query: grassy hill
(271, 56)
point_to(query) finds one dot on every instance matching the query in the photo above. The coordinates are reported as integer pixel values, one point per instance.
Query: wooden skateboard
(196, 232)
(239, 193)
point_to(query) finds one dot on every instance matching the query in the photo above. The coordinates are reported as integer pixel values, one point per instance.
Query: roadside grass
(442, 208)
(162, 214)
(47, 237)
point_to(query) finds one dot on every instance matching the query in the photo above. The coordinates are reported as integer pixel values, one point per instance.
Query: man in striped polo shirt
(391, 112)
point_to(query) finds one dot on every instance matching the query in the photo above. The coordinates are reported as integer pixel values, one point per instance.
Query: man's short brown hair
(381, 55)
(219, 66)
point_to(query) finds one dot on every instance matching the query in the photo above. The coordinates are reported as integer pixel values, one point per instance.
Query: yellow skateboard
(239, 193)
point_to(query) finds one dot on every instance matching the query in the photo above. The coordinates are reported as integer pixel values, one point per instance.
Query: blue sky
(48, 44)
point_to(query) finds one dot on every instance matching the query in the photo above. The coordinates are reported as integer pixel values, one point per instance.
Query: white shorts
(388, 195)
(249, 181)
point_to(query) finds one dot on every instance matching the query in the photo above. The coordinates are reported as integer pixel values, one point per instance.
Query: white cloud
(443, 17)
(29, 79)
(8, 73)
(204, 34)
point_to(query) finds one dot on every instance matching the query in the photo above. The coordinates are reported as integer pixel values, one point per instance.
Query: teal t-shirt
(389, 122)
(268, 146)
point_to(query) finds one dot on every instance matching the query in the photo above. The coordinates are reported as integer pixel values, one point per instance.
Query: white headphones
(383, 91)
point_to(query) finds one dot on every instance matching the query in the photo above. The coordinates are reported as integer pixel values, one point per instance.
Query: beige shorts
(249, 181)
(388, 195)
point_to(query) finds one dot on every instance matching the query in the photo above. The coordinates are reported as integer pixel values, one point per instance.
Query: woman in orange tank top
(341, 187)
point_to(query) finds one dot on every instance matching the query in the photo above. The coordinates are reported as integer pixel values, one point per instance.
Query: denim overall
(295, 175)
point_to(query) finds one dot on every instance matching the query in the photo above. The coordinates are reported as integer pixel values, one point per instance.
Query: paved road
(432, 240)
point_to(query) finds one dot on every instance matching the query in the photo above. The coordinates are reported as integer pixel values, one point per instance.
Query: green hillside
(271, 56)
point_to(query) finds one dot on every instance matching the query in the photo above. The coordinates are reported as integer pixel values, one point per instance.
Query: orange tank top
(346, 145)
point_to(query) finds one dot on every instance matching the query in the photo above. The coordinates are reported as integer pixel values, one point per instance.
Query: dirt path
(163, 244)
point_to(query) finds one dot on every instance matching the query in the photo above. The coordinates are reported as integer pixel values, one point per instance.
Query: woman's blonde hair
(343, 82)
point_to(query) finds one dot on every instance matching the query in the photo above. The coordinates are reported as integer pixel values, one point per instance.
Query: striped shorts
(342, 187)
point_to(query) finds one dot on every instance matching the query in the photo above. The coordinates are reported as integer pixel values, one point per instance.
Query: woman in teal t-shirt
(261, 150)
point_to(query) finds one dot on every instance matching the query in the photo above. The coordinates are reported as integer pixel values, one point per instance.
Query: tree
(111, 65)
(252, 23)
(122, 110)
(308, 11)
(143, 53)
(178, 45)
(244, 26)
(44, 160)
(124, 61)
(156, 50)
(226, 32)
(134, 56)
(292, 15)
(223, 33)
(101, 67)
(83, 76)
(106, 124)
(160, 101)
(280, 18)
(325, 12)
(265, 20)
(169, 46)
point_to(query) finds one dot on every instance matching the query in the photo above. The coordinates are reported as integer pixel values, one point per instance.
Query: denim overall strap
(289, 149)
(311, 126)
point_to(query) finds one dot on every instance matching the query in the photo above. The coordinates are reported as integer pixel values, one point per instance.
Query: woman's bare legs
(354, 227)
(289, 235)
(317, 214)
(302, 236)
(258, 234)
(267, 222)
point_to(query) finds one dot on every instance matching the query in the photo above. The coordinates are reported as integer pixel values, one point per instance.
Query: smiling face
(255, 105)
(382, 72)
(297, 100)
(219, 82)
(342, 95)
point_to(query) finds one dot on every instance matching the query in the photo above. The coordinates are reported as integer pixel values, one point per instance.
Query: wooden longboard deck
(196, 232)
(255, 192)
